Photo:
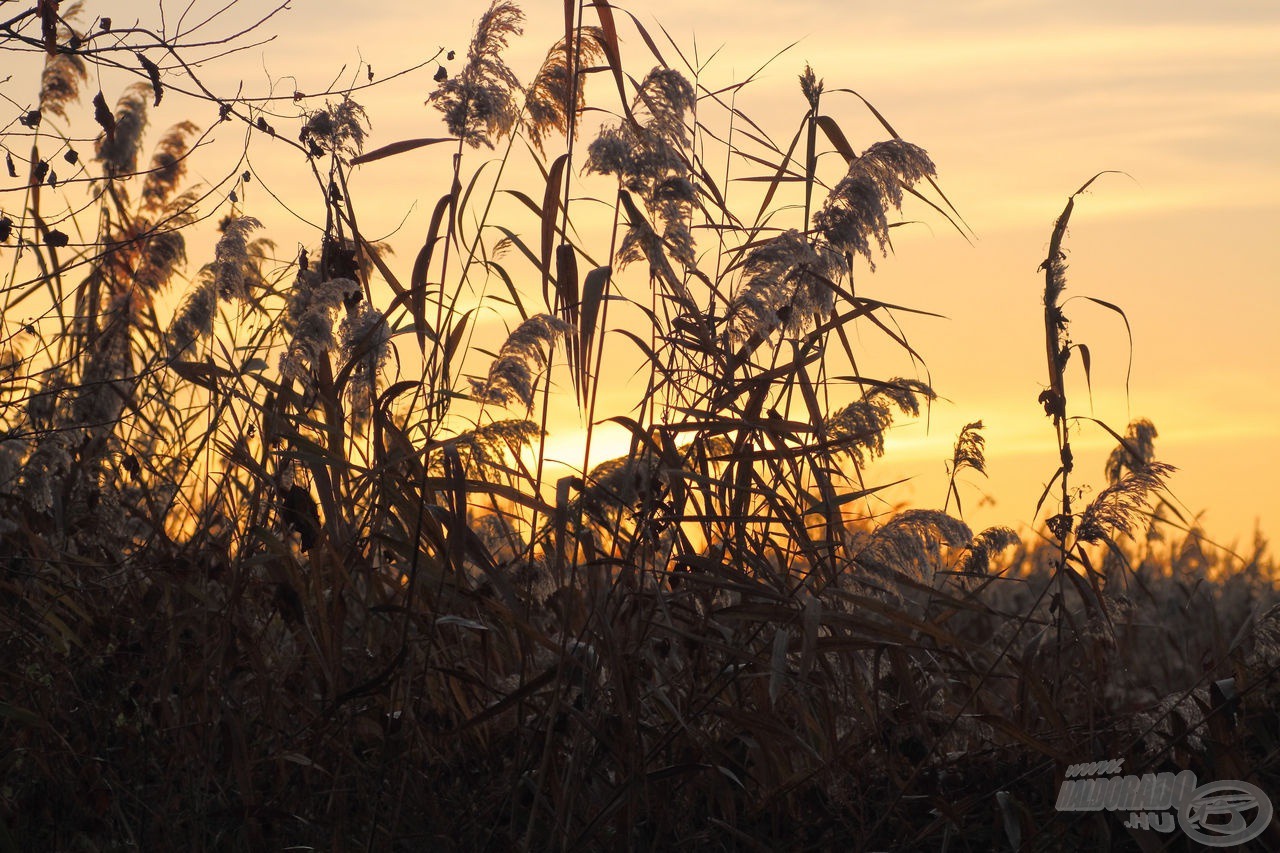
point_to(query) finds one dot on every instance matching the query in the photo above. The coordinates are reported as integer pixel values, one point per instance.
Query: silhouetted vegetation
(282, 565)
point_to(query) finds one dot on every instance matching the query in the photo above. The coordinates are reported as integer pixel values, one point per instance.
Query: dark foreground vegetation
(282, 567)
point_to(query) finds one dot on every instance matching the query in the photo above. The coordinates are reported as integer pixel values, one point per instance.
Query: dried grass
(332, 604)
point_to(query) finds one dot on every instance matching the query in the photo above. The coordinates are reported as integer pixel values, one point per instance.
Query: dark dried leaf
(130, 464)
(300, 513)
(55, 239)
(153, 74)
(103, 116)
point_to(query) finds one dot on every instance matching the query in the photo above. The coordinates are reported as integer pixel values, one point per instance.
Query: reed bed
(284, 565)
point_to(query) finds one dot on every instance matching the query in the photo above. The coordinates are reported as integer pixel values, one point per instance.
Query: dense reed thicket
(282, 565)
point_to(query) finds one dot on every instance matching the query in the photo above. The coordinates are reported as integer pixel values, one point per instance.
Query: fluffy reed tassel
(786, 286)
(862, 424)
(478, 104)
(855, 214)
(118, 151)
(231, 257)
(1117, 507)
(512, 374)
(646, 157)
(552, 98)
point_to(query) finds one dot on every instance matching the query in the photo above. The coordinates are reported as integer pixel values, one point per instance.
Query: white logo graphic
(1219, 814)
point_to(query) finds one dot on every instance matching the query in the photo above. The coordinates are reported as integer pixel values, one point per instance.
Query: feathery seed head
(811, 86)
(164, 253)
(987, 545)
(863, 423)
(309, 315)
(787, 285)
(1117, 507)
(856, 211)
(60, 83)
(478, 104)
(617, 485)
(610, 152)
(511, 376)
(486, 449)
(103, 387)
(911, 542)
(231, 257)
(168, 165)
(366, 337)
(194, 320)
(338, 128)
(1055, 282)
(647, 161)
(63, 72)
(119, 152)
(552, 98)
(662, 100)
(970, 449)
(1137, 452)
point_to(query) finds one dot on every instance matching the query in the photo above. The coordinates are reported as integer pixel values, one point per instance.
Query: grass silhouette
(282, 566)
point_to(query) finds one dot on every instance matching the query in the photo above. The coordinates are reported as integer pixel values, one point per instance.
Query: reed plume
(365, 338)
(1136, 452)
(478, 104)
(195, 317)
(1117, 507)
(308, 319)
(119, 149)
(485, 449)
(646, 155)
(64, 71)
(788, 286)
(339, 128)
(232, 265)
(513, 373)
(859, 427)
(556, 94)
(163, 248)
(168, 165)
(985, 546)
(855, 214)
(911, 542)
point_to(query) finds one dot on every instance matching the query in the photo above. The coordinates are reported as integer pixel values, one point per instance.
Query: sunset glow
(724, 425)
(1018, 105)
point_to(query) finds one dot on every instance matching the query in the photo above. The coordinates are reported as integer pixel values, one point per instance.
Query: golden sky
(1018, 103)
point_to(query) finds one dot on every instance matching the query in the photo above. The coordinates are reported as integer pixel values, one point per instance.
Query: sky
(1019, 104)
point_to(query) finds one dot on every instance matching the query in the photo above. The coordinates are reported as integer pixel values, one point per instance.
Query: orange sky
(1018, 103)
